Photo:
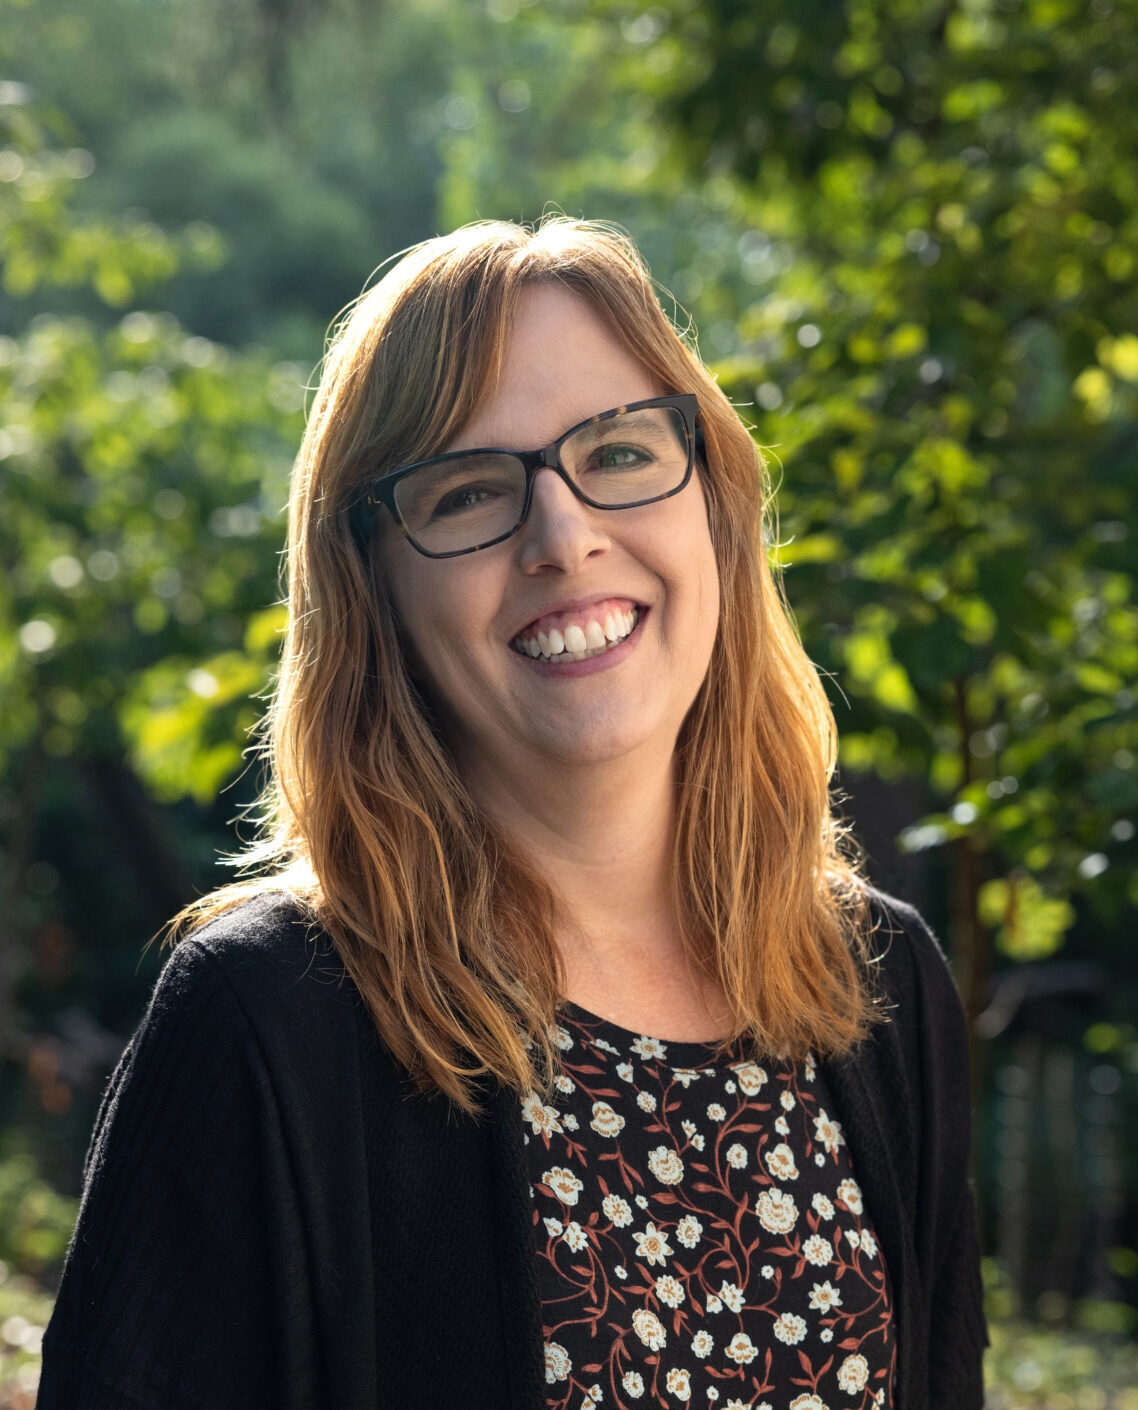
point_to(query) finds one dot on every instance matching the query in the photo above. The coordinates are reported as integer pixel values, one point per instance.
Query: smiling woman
(556, 1054)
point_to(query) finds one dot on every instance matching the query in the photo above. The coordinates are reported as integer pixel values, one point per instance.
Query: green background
(907, 234)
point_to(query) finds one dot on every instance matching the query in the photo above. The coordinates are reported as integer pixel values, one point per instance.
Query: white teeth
(578, 643)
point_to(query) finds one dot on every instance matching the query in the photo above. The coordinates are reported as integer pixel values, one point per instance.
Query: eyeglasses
(470, 499)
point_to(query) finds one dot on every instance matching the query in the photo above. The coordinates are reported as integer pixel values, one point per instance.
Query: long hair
(442, 924)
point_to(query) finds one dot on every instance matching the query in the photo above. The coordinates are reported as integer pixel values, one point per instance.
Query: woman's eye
(620, 457)
(464, 497)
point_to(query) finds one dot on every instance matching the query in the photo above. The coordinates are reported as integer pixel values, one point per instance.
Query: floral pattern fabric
(702, 1239)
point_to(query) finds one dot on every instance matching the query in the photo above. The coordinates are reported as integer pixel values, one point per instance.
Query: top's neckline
(673, 1054)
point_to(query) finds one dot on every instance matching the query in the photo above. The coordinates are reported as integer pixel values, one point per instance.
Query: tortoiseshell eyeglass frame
(382, 489)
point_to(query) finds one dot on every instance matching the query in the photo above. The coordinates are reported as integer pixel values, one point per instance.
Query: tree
(942, 234)
(144, 472)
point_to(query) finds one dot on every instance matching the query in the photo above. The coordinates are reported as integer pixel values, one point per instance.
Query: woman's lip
(581, 611)
(612, 657)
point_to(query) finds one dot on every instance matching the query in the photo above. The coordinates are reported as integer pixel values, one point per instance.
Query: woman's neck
(602, 835)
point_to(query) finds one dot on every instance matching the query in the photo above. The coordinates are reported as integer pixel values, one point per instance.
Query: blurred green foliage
(907, 231)
(35, 1221)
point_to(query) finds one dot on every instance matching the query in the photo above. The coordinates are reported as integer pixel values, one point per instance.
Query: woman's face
(569, 566)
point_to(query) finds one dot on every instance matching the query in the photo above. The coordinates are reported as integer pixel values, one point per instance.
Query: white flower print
(541, 1117)
(817, 1250)
(652, 1245)
(850, 1196)
(675, 1313)
(809, 1071)
(823, 1296)
(853, 1374)
(828, 1131)
(557, 1363)
(562, 1038)
(606, 1122)
(575, 1237)
(789, 1328)
(649, 1048)
(741, 1349)
(563, 1183)
(649, 1329)
(780, 1163)
(679, 1384)
(777, 1211)
(688, 1231)
(751, 1078)
(617, 1210)
(666, 1165)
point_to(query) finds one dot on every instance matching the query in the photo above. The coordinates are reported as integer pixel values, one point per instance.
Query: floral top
(702, 1240)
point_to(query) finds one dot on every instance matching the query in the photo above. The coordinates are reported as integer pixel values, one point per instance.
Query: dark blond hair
(443, 926)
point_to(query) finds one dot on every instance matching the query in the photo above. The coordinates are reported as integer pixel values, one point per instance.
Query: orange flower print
(563, 1183)
(557, 1363)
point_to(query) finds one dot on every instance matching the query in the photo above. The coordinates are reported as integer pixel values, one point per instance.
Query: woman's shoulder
(268, 953)
(912, 974)
(900, 941)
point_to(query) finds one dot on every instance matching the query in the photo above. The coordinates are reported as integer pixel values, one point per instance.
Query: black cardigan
(272, 1217)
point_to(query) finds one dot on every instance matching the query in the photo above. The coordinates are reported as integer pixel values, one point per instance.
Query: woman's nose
(560, 531)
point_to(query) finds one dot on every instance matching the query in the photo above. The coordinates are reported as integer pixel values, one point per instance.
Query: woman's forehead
(561, 363)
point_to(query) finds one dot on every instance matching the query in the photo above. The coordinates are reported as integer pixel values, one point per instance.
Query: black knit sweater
(272, 1217)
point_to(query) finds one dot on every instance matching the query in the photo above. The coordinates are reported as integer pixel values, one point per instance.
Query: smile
(593, 634)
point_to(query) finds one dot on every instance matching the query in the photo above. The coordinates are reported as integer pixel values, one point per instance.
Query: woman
(558, 1057)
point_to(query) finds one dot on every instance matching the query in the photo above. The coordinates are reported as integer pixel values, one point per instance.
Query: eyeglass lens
(617, 462)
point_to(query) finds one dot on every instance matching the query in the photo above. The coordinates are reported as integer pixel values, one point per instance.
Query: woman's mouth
(577, 636)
